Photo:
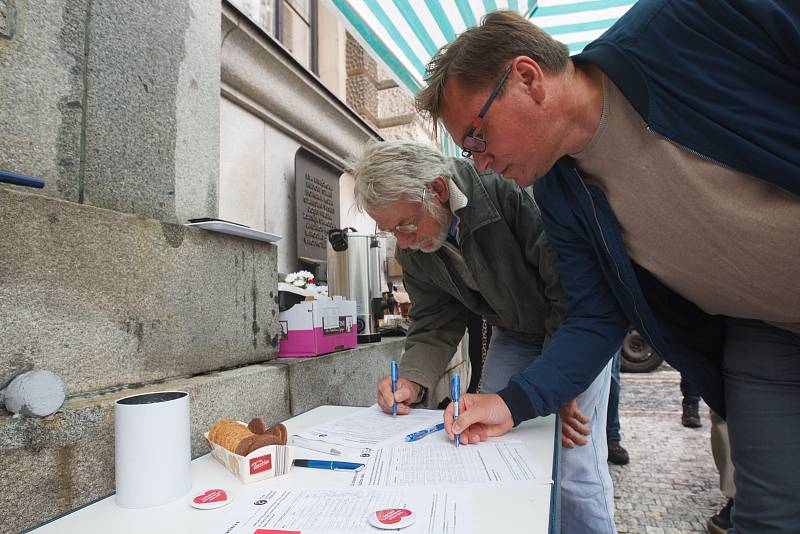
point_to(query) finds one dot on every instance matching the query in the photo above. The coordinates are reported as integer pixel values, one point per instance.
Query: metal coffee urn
(354, 272)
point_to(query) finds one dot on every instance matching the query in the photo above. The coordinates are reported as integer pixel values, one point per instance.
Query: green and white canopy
(576, 23)
(404, 34)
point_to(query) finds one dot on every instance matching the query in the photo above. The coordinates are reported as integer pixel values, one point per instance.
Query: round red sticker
(210, 499)
(392, 518)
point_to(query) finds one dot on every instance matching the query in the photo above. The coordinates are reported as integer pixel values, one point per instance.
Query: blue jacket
(720, 78)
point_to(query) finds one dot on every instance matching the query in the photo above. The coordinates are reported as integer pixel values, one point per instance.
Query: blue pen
(419, 434)
(455, 393)
(327, 464)
(394, 387)
(20, 179)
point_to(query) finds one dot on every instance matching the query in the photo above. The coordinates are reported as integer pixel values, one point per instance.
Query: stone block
(242, 167)
(152, 90)
(115, 104)
(41, 101)
(105, 299)
(394, 102)
(362, 96)
(358, 60)
(349, 378)
(416, 130)
(8, 19)
(67, 460)
(346, 378)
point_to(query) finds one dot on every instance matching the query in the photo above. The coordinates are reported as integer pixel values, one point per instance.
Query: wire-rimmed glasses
(405, 228)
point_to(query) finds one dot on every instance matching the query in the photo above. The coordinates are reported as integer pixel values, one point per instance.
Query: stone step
(67, 460)
(103, 298)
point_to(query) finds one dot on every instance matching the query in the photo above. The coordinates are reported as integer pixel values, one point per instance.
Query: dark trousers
(761, 372)
(690, 392)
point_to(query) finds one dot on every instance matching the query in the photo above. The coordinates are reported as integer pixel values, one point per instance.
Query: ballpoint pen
(394, 387)
(327, 464)
(455, 393)
(20, 179)
(419, 434)
(313, 445)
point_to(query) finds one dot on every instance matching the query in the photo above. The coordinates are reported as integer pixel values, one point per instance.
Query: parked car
(637, 355)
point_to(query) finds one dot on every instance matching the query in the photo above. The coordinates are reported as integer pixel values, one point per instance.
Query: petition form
(347, 510)
(371, 427)
(440, 463)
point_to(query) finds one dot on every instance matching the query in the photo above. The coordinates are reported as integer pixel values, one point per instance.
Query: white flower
(300, 279)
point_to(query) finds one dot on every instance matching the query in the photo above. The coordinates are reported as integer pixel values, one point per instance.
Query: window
(292, 22)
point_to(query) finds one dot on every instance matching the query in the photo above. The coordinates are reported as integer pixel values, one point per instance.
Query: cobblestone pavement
(671, 485)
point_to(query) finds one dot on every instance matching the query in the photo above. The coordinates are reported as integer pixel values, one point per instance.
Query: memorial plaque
(317, 199)
(8, 19)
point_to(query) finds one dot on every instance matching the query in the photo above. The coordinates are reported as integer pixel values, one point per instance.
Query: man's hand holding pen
(407, 392)
(481, 416)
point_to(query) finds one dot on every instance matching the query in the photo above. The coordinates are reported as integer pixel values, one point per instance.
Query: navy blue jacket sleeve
(591, 332)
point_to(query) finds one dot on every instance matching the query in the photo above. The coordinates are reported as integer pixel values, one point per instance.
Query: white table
(530, 510)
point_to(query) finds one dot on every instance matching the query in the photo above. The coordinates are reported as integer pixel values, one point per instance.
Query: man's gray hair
(390, 170)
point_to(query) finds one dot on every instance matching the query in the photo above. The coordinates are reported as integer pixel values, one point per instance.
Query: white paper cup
(153, 450)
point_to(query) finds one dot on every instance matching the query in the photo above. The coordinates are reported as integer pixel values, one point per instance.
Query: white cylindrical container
(153, 449)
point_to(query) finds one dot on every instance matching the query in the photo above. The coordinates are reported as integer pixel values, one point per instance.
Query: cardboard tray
(261, 464)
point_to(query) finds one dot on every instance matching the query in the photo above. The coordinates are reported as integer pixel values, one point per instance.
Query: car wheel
(637, 355)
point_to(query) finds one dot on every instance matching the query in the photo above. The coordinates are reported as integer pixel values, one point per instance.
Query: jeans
(761, 372)
(587, 493)
(721, 451)
(612, 418)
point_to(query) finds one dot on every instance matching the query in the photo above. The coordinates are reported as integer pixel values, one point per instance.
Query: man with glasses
(665, 158)
(471, 241)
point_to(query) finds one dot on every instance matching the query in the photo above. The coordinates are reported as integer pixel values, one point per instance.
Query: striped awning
(405, 34)
(576, 23)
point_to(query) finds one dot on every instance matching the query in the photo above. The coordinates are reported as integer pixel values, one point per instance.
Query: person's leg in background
(761, 372)
(616, 452)
(691, 405)
(587, 492)
(720, 522)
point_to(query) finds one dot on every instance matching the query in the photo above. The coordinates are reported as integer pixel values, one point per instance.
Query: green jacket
(505, 249)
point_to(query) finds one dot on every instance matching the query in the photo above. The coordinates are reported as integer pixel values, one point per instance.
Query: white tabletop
(501, 509)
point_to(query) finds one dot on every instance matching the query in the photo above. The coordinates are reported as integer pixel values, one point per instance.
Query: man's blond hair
(478, 56)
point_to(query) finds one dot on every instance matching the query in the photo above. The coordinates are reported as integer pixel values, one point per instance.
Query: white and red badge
(392, 518)
(210, 499)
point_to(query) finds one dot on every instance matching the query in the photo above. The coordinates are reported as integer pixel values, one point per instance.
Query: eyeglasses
(472, 143)
(408, 228)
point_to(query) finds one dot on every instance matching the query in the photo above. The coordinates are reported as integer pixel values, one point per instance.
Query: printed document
(347, 510)
(440, 463)
(371, 427)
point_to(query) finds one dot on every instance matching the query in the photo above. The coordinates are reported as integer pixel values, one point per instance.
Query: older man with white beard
(472, 241)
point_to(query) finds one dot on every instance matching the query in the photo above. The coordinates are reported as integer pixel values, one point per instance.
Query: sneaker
(721, 522)
(691, 414)
(617, 454)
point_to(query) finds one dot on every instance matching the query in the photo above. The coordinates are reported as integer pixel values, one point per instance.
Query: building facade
(140, 117)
